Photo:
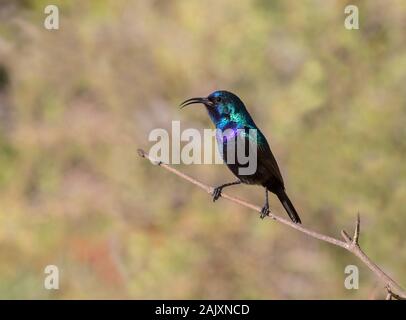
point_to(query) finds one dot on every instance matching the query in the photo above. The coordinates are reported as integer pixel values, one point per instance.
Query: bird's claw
(216, 193)
(264, 211)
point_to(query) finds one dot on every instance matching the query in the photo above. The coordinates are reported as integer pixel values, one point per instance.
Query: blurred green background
(76, 103)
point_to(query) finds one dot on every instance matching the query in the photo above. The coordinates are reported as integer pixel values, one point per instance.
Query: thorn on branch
(357, 230)
(354, 241)
(346, 237)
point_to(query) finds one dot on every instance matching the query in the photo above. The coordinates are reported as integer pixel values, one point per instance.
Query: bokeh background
(76, 103)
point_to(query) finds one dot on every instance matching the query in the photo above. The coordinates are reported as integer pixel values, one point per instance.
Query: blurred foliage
(76, 103)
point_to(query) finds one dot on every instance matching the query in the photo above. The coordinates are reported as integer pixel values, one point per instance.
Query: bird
(234, 123)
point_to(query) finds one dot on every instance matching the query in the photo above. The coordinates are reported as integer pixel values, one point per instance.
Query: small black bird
(233, 121)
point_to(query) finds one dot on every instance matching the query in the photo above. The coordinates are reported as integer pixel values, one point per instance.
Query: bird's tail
(287, 204)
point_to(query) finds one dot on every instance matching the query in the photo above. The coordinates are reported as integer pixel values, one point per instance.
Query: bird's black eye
(218, 99)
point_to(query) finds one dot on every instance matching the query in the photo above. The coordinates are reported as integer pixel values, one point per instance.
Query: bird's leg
(265, 208)
(217, 191)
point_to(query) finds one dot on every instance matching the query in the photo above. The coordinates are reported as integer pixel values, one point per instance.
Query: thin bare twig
(391, 294)
(350, 244)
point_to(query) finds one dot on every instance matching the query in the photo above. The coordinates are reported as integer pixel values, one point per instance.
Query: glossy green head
(223, 107)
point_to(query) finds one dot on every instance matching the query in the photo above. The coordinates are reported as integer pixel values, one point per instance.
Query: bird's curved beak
(204, 101)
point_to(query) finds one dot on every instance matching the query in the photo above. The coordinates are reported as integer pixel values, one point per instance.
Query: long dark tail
(287, 204)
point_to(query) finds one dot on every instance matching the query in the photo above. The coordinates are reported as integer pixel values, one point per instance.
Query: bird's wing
(266, 161)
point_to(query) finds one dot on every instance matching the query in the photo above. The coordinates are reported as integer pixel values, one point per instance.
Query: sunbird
(229, 114)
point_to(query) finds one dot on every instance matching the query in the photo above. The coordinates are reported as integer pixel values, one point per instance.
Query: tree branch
(394, 290)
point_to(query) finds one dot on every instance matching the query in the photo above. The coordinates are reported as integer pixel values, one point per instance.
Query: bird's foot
(264, 211)
(216, 193)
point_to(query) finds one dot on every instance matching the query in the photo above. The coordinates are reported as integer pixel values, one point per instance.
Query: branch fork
(354, 242)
